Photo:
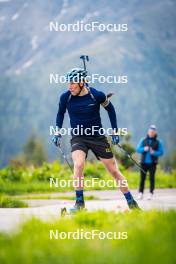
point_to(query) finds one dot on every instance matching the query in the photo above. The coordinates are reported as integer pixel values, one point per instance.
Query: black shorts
(99, 146)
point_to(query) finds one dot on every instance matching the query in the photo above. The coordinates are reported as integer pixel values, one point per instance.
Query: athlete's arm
(61, 111)
(105, 102)
(59, 119)
(112, 115)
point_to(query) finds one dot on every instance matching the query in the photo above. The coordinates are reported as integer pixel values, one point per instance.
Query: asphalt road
(11, 218)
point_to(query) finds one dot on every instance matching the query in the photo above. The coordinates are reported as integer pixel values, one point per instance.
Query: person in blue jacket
(83, 106)
(150, 149)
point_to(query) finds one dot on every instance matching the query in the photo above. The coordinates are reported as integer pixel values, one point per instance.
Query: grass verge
(49, 197)
(151, 238)
(8, 202)
(25, 180)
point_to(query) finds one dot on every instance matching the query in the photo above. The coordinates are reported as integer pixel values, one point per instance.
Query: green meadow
(151, 238)
(26, 180)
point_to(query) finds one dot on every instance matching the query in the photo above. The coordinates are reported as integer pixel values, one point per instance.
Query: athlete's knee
(78, 165)
(114, 172)
(112, 169)
(118, 175)
(115, 169)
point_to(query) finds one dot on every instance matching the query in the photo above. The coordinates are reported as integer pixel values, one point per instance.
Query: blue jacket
(146, 156)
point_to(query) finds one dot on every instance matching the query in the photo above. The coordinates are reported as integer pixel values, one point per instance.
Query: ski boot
(79, 206)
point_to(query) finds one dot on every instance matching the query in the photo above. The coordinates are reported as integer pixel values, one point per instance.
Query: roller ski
(79, 206)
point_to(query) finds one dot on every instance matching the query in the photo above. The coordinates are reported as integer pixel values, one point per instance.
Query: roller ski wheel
(63, 211)
(72, 211)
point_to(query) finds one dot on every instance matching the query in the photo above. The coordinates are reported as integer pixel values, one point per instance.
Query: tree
(168, 163)
(34, 151)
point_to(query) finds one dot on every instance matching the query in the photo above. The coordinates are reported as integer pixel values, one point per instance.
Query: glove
(115, 139)
(56, 139)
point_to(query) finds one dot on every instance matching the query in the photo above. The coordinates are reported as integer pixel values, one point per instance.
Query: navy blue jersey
(84, 111)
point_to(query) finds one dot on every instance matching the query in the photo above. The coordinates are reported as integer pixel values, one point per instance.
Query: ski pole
(65, 158)
(85, 58)
(131, 158)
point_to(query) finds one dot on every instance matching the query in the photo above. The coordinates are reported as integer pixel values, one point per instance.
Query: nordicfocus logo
(87, 235)
(55, 78)
(87, 183)
(79, 130)
(93, 26)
